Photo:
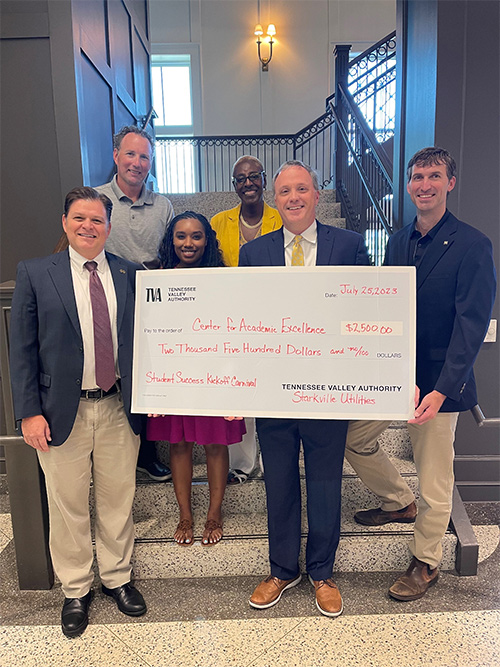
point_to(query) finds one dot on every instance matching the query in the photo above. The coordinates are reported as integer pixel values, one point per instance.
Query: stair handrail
(481, 420)
(362, 175)
(378, 150)
(374, 47)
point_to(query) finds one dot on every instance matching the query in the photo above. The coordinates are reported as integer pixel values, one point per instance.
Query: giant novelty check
(322, 342)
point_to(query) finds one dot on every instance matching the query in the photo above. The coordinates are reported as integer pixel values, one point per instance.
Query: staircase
(244, 550)
(210, 203)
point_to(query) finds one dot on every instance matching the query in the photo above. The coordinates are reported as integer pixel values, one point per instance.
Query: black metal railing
(372, 83)
(364, 176)
(204, 164)
(364, 111)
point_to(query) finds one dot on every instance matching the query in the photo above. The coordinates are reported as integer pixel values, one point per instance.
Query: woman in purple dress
(189, 241)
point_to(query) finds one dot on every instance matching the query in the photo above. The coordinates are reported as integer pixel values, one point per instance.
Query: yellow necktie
(297, 252)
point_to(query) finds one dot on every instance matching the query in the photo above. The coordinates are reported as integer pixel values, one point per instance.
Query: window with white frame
(171, 76)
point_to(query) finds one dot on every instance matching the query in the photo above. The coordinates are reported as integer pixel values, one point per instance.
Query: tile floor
(207, 622)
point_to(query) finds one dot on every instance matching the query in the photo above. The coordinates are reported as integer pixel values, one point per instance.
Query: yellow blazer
(226, 226)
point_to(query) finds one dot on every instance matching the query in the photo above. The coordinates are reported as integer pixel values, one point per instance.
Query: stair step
(155, 506)
(380, 552)
(244, 549)
(327, 211)
(210, 203)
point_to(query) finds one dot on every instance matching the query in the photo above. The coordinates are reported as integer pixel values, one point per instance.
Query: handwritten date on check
(334, 342)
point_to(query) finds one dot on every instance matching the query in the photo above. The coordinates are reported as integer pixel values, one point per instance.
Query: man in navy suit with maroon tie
(303, 241)
(72, 325)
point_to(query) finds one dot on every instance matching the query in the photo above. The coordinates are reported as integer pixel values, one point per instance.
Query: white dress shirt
(81, 278)
(309, 245)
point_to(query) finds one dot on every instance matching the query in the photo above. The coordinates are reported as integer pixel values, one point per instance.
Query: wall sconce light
(271, 31)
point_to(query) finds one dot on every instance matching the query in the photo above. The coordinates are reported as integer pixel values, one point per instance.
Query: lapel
(442, 242)
(119, 271)
(325, 242)
(233, 239)
(276, 248)
(60, 272)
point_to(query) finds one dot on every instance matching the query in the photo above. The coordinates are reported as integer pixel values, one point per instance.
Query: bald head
(249, 180)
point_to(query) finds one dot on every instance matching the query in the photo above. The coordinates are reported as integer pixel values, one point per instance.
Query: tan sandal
(184, 526)
(210, 527)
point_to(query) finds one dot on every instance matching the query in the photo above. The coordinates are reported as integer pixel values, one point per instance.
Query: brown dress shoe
(378, 516)
(269, 591)
(328, 598)
(413, 584)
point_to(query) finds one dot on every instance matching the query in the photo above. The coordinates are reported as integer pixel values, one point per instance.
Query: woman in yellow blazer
(235, 227)
(250, 219)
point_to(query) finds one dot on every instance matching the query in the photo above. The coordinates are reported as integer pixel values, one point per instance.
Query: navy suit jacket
(46, 346)
(456, 284)
(334, 247)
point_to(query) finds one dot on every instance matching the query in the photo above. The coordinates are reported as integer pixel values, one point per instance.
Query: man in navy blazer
(303, 241)
(456, 284)
(81, 430)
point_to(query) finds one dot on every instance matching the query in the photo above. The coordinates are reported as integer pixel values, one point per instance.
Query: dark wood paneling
(96, 123)
(120, 25)
(126, 74)
(142, 73)
(92, 16)
(123, 115)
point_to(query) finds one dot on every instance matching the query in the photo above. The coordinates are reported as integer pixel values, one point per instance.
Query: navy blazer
(456, 284)
(334, 247)
(46, 346)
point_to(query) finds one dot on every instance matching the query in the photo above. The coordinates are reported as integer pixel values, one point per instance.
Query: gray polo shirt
(136, 227)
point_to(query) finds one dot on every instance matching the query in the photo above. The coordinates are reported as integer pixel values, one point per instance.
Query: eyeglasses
(254, 176)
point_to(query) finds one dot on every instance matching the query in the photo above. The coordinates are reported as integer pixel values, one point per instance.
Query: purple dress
(201, 430)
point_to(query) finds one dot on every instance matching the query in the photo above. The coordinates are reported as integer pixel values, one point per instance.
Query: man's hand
(428, 408)
(36, 432)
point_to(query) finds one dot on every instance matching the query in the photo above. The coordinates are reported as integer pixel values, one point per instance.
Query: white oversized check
(322, 342)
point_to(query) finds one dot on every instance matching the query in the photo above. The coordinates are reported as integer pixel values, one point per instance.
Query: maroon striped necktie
(103, 342)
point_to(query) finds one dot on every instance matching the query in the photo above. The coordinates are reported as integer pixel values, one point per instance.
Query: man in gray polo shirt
(138, 223)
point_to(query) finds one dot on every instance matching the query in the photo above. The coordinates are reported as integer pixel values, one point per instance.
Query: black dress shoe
(379, 517)
(128, 599)
(75, 615)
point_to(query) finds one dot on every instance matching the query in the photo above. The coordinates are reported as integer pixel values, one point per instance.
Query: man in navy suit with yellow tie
(72, 325)
(303, 241)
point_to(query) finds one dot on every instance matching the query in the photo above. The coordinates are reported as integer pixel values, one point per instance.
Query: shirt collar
(310, 234)
(433, 231)
(145, 197)
(78, 260)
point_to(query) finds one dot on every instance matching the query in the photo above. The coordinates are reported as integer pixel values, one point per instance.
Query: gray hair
(248, 158)
(131, 129)
(297, 163)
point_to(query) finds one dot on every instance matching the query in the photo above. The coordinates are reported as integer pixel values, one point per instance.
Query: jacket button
(78, 381)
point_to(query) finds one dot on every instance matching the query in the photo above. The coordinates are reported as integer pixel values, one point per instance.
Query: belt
(96, 394)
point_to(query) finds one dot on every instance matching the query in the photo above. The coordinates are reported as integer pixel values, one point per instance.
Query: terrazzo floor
(207, 622)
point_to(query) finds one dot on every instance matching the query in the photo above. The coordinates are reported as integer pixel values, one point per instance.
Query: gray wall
(449, 96)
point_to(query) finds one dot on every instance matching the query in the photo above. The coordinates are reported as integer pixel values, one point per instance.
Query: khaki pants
(433, 454)
(101, 447)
